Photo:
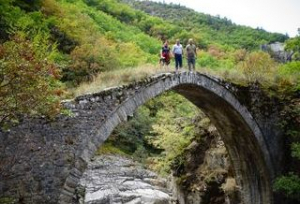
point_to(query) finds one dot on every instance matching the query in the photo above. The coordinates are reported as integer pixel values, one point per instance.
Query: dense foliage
(289, 184)
(29, 79)
(159, 132)
(293, 45)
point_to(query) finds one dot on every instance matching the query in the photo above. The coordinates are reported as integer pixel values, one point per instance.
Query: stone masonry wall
(41, 160)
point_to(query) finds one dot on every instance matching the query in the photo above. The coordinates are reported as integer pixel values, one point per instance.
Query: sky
(281, 16)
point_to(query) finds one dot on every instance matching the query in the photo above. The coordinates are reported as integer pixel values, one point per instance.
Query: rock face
(277, 51)
(206, 175)
(117, 180)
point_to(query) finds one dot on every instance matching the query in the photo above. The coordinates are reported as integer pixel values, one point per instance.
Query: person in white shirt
(178, 52)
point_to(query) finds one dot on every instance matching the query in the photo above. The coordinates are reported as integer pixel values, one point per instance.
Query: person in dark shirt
(165, 56)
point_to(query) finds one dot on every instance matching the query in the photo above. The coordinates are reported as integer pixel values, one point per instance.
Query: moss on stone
(7, 200)
(108, 148)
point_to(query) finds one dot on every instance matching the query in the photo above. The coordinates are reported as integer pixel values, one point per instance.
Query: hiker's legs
(189, 63)
(194, 64)
(180, 61)
(167, 67)
(167, 64)
(176, 62)
(161, 63)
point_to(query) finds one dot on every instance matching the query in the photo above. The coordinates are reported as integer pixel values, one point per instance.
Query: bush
(258, 67)
(129, 136)
(208, 61)
(296, 150)
(90, 59)
(28, 80)
(291, 72)
(289, 185)
(130, 55)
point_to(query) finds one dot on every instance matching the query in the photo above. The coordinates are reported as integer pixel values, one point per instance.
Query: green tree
(293, 45)
(28, 80)
(130, 136)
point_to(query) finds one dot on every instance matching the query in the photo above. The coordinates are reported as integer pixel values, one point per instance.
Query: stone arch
(240, 132)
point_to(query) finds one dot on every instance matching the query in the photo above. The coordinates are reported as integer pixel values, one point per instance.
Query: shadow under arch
(241, 134)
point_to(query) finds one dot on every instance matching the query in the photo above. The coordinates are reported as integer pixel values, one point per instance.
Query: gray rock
(117, 180)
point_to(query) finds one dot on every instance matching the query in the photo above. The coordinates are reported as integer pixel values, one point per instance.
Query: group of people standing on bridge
(190, 52)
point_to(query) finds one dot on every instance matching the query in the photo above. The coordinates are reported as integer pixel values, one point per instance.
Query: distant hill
(210, 28)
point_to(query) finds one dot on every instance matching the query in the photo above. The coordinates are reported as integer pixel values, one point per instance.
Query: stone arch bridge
(41, 161)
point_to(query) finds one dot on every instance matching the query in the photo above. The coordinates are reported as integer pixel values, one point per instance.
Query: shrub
(206, 60)
(296, 150)
(215, 51)
(28, 80)
(258, 66)
(240, 55)
(291, 72)
(130, 55)
(289, 185)
(90, 59)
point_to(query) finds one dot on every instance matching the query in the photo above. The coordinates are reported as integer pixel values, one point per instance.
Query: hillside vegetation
(206, 29)
(58, 43)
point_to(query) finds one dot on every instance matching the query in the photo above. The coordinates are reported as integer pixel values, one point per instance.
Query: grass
(116, 78)
(128, 75)
(269, 77)
(108, 148)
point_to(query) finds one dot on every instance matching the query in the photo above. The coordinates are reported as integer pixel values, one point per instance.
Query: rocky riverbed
(204, 178)
(113, 179)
